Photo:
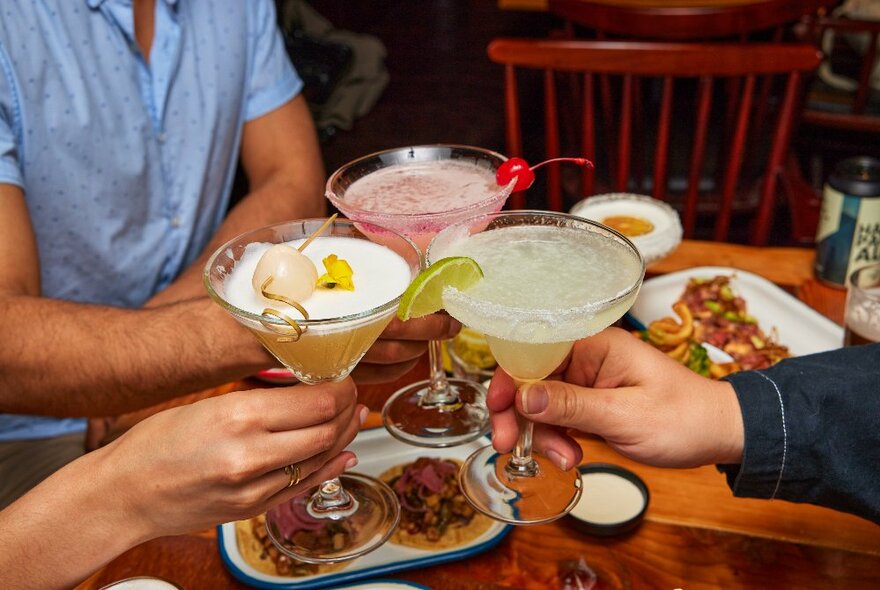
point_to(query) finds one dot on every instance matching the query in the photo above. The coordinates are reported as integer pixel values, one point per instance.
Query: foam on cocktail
(542, 284)
(380, 275)
(415, 198)
(422, 187)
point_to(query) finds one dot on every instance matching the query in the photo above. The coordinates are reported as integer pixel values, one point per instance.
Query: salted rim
(564, 323)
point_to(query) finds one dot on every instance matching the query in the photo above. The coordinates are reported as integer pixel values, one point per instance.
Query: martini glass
(317, 349)
(549, 279)
(418, 191)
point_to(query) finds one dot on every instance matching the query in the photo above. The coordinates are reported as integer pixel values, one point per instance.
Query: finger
(438, 326)
(563, 404)
(504, 429)
(311, 447)
(389, 352)
(502, 390)
(368, 373)
(557, 446)
(299, 406)
(335, 467)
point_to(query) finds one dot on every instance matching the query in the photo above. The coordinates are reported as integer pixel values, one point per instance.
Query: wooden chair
(678, 21)
(845, 108)
(647, 130)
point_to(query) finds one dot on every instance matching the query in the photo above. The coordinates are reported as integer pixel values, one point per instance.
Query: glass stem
(331, 501)
(439, 394)
(521, 463)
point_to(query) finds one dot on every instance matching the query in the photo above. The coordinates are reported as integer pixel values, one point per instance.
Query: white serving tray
(799, 327)
(377, 451)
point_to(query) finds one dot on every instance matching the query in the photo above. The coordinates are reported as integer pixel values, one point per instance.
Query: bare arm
(63, 359)
(282, 161)
(184, 469)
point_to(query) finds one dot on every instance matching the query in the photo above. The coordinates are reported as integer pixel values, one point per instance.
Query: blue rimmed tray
(377, 451)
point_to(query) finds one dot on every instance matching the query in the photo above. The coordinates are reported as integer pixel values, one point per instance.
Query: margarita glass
(324, 346)
(418, 191)
(549, 279)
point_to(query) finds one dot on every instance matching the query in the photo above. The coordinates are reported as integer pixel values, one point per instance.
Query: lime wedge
(424, 294)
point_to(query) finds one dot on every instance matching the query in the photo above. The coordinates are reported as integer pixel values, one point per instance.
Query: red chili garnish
(524, 174)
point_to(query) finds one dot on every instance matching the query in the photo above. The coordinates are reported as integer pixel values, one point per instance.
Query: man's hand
(644, 404)
(400, 346)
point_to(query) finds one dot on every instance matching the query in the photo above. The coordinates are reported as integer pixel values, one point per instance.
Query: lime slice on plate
(424, 295)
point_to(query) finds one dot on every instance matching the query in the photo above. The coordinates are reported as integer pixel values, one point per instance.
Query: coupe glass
(319, 351)
(422, 197)
(549, 279)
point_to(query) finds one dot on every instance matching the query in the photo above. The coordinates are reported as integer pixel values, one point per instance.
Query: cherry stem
(578, 161)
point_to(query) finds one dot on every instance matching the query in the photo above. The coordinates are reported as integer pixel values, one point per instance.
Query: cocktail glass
(549, 279)
(318, 351)
(418, 191)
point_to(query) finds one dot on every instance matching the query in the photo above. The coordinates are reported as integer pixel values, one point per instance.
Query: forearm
(67, 527)
(811, 431)
(67, 359)
(283, 164)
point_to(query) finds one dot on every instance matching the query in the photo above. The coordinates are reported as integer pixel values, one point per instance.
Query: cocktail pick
(317, 232)
(524, 174)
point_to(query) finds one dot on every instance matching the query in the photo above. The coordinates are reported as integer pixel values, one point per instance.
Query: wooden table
(683, 19)
(695, 534)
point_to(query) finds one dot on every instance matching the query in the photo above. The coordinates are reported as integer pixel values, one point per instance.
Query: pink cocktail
(419, 191)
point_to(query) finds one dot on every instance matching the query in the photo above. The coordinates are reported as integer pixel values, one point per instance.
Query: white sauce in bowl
(608, 499)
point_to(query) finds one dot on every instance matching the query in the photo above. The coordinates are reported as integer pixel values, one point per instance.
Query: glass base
(491, 489)
(350, 534)
(409, 419)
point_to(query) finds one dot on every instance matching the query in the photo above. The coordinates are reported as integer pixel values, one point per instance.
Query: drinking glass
(364, 508)
(862, 312)
(549, 280)
(418, 191)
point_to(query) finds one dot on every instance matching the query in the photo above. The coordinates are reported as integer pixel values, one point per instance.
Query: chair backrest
(838, 100)
(631, 94)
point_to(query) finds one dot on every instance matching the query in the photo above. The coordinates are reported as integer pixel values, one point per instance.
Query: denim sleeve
(812, 431)
(10, 126)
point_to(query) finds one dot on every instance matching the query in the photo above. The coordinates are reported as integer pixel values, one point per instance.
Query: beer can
(848, 236)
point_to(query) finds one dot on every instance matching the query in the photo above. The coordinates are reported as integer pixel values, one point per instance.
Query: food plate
(799, 327)
(377, 451)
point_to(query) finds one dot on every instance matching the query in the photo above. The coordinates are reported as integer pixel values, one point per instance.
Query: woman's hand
(645, 405)
(223, 458)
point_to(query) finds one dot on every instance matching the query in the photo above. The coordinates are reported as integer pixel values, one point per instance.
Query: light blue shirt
(127, 166)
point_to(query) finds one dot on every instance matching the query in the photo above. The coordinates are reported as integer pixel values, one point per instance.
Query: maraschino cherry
(525, 175)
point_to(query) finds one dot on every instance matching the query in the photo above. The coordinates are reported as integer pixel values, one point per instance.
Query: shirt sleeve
(10, 166)
(812, 431)
(272, 80)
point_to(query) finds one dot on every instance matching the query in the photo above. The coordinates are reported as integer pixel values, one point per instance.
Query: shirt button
(162, 137)
(175, 221)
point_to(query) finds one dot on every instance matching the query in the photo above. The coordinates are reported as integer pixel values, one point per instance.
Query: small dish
(652, 225)
(277, 376)
(613, 502)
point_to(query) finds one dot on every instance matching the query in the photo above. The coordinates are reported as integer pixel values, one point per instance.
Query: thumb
(561, 404)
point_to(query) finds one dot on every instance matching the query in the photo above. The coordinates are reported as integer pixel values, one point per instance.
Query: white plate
(654, 245)
(377, 451)
(799, 327)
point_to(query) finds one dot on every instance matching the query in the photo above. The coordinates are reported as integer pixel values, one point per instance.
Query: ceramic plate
(377, 451)
(799, 327)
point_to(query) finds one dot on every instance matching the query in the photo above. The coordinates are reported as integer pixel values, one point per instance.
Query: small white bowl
(664, 237)
(613, 502)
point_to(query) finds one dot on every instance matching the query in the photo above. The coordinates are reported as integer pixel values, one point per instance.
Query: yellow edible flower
(338, 274)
